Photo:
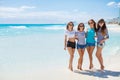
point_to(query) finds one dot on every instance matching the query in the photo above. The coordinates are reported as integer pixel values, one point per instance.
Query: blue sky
(56, 11)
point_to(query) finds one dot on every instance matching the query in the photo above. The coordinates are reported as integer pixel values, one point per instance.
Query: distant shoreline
(112, 25)
(17, 24)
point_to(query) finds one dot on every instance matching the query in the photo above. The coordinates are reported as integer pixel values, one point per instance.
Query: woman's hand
(76, 37)
(65, 42)
(64, 48)
(102, 41)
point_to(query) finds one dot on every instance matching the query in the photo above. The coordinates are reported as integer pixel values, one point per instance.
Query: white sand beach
(41, 57)
(112, 72)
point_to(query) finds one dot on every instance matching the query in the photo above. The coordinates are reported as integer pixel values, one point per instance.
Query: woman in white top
(70, 43)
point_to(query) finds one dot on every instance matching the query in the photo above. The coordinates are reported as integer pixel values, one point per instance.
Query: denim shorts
(90, 44)
(100, 45)
(81, 46)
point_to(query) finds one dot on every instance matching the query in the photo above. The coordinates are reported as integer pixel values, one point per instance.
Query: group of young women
(86, 39)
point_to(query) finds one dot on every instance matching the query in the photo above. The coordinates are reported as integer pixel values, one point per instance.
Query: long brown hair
(103, 28)
(94, 24)
(70, 23)
(80, 26)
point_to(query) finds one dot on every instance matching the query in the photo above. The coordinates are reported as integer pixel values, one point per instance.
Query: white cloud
(47, 16)
(119, 4)
(113, 4)
(27, 7)
(12, 9)
(21, 14)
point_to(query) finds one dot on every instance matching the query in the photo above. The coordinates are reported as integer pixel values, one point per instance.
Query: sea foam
(18, 27)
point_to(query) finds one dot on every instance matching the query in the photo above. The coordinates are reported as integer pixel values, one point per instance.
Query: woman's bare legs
(71, 52)
(80, 60)
(90, 52)
(99, 57)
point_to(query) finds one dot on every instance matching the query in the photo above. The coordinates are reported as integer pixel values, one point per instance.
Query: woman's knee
(90, 54)
(81, 57)
(98, 54)
(72, 55)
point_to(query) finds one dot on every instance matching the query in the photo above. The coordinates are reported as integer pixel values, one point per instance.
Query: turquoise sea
(26, 29)
(28, 47)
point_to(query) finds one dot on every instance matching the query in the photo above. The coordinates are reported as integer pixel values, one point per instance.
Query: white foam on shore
(54, 28)
(18, 27)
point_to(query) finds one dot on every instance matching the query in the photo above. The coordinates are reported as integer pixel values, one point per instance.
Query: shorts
(81, 46)
(71, 44)
(90, 44)
(100, 45)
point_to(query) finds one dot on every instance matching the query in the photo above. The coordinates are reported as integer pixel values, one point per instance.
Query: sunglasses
(101, 22)
(70, 24)
(91, 23)
(81, 26)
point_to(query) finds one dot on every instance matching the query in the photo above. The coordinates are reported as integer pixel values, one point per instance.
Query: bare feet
(79, 67)
(91, 66)
(70, 68)
(102, 67)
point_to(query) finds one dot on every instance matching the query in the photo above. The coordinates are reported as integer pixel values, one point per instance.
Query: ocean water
(30, 39)
(30, 47)
(26, 29)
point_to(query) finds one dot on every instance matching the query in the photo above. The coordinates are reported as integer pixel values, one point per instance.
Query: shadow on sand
(100, 74)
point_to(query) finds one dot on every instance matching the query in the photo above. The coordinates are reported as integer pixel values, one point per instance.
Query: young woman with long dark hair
(90, 40)
(102, 36)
